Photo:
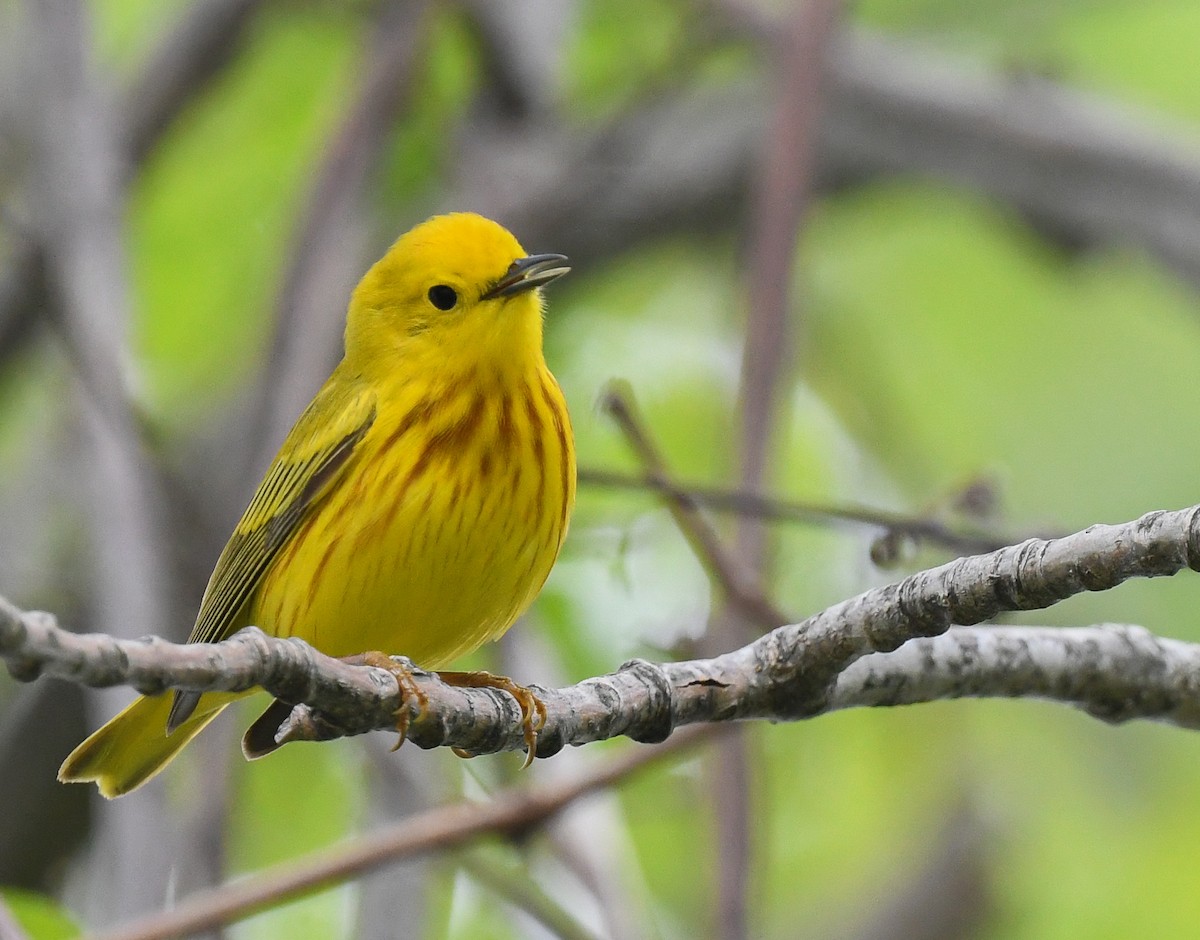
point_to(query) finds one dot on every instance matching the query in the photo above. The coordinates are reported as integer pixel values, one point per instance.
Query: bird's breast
(441, 531)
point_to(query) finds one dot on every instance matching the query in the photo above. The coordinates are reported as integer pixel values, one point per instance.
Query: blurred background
(928, 257)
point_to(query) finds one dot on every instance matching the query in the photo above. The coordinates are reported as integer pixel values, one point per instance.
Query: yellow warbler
(419, 502)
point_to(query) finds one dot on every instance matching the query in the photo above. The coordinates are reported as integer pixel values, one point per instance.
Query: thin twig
(189, 56)
(517, 888)
(512, 811)
(965, 541)
(791, 673)
(326, 255)
(739, 583)
(80, 212)
(778, 210)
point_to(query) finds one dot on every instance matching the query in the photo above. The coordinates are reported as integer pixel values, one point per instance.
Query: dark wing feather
(308, 464)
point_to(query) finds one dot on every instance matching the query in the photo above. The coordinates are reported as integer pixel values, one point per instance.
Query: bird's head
(457, 290)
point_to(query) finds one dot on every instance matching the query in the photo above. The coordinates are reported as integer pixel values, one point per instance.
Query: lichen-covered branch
(1114, 672)
(797, 671)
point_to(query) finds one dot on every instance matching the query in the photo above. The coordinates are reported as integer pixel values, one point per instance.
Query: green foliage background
(939, 338)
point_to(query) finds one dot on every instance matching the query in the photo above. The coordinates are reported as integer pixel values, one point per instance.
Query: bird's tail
(134, 746)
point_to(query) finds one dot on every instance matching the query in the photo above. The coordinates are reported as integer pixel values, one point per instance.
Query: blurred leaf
(1143, 53)
(39, 916)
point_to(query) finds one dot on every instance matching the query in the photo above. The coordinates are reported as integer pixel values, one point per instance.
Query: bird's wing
(308, 464)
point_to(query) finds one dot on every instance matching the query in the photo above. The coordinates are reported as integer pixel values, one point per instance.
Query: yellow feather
(133, 746)
(420, 501)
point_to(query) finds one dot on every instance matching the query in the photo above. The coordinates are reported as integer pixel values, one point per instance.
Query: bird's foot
(409, 690)
(533, 709)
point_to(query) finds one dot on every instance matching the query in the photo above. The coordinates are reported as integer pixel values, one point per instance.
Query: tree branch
(187, 58)
(797, 671)
(328, 250)
(1090, 170)
(742, 586)
(919, 528)
(779, 207)
(1113, 672)
(513, 811)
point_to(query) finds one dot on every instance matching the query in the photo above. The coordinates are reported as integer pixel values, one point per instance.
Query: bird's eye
(443, 296)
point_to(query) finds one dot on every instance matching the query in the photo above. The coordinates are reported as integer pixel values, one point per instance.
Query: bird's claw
(533, 709)
(409, 690)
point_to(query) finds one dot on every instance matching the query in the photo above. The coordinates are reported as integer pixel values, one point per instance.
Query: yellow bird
(416, 506)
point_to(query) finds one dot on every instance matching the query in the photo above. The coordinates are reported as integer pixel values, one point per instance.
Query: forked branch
(797, 671)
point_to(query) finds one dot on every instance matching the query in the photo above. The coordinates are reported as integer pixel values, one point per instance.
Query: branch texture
(796, 671)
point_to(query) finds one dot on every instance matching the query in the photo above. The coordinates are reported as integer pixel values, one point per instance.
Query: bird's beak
(527, 273)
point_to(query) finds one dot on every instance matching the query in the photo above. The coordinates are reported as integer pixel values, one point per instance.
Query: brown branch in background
(740, 585)
(80, 210)
(513, 812)
(398, 789)
(521, 51)
(35, 284)
(778, 210)
(191, 55)
(681, 163)
(331, 239)
(779, 205)
(186, 60)
(965, 541)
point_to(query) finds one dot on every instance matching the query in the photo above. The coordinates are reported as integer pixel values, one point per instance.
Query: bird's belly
(429, 568)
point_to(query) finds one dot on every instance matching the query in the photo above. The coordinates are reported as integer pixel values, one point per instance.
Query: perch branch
(796, 671)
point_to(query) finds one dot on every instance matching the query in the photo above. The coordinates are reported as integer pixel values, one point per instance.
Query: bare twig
(189, 55)
(739, 583)
(511, 812)
(781, 201)
(778, 209)
(794, 672)
(330, 243)
(521, 51)
(964, 541)
(80, 210)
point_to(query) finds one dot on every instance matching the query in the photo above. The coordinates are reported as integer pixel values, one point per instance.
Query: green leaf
(38, 916)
